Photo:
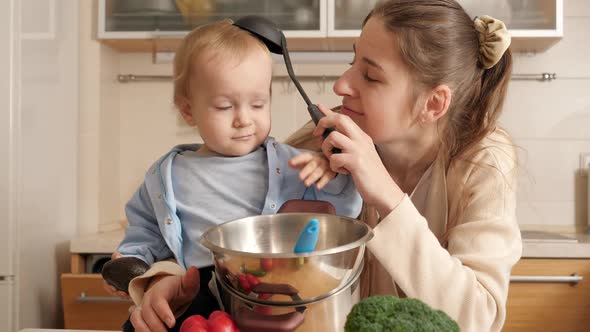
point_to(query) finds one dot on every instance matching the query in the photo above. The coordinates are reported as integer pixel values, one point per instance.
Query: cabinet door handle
(572, 279)
(84, 298)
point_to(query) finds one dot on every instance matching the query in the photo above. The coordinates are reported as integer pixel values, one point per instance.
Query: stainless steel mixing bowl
(246, 246)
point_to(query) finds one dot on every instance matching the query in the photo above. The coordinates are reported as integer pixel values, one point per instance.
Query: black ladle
(274, 38)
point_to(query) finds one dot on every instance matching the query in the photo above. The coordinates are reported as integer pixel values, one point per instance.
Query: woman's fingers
(336, 140)
(107, 287)
(113, 291)
(152, 320)
(137, 321)
(339, 163)
(164, 312)
(339, 122)
(122, 295)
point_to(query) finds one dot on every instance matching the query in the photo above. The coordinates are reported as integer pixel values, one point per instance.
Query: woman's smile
(350, 112)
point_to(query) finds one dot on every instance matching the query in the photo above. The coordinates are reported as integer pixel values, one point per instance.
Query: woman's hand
(313, 167)
(162, 298)
(112, 290)
(360, 159)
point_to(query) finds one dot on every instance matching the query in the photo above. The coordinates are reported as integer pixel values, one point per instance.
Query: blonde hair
(220, 38)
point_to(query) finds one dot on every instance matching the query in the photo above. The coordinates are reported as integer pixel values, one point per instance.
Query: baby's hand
(111, 289)
(314, 167)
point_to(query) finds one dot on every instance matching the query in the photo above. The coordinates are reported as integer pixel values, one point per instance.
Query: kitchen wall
(549, 122)
(125, 127)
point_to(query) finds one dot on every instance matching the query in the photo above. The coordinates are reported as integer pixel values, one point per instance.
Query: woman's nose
(242, 117)
(342, 86)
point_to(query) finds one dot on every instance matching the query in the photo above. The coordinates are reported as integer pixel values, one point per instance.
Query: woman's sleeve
(138, 285)
(469, 280)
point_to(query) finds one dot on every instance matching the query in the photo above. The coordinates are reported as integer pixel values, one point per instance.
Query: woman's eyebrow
(367, 60)
(372, 63)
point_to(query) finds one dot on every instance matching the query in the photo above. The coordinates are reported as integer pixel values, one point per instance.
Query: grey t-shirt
(212, 189)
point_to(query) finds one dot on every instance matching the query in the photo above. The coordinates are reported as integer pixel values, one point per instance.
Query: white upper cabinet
(323, 24)
(136, 19)
(524, 18)
(345, 17)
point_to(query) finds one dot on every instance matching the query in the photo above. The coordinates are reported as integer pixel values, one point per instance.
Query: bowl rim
(359, 242)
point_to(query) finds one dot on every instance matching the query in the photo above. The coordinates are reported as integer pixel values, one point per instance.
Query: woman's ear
(185, 110)
(438, 103)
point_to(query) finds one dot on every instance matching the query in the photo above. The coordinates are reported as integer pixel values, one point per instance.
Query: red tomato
(266, 264)
(221, 323)
(194, 323)
(244, 283)
(252, 280)
(218, 313)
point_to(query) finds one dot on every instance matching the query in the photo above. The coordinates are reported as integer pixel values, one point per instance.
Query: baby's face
(230, 101)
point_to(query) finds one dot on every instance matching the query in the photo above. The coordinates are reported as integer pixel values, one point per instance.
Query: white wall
(99, 127)
(47, 208)
(549, 121)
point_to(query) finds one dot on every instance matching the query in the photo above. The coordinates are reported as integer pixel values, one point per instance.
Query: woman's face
(377, 91)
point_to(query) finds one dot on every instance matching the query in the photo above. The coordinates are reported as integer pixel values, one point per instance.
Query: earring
(423, 119)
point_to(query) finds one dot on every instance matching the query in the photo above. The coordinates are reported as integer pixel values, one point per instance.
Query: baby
(222, 86)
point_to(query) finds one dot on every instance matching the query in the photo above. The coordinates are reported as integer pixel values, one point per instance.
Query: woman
(417, 130)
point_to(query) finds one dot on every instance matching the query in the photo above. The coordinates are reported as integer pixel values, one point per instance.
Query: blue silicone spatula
(308, 238)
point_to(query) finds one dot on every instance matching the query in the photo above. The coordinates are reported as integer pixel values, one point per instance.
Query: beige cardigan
(452, 244)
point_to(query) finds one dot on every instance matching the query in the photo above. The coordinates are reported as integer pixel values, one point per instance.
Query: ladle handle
(251, 321)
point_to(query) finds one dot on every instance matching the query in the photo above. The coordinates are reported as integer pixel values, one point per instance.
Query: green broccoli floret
(390, 313)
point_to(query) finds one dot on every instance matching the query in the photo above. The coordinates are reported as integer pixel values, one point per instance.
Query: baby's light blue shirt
(184, 193)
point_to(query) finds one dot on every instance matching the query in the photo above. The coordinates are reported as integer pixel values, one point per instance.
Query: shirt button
(273, 205)
(278, 171)
(160, 196)
(274, 145)
(168, 221)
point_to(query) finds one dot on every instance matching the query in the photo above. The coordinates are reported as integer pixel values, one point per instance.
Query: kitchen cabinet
(309, 25)
(549, 295)
(545, 295)
(86, 304)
